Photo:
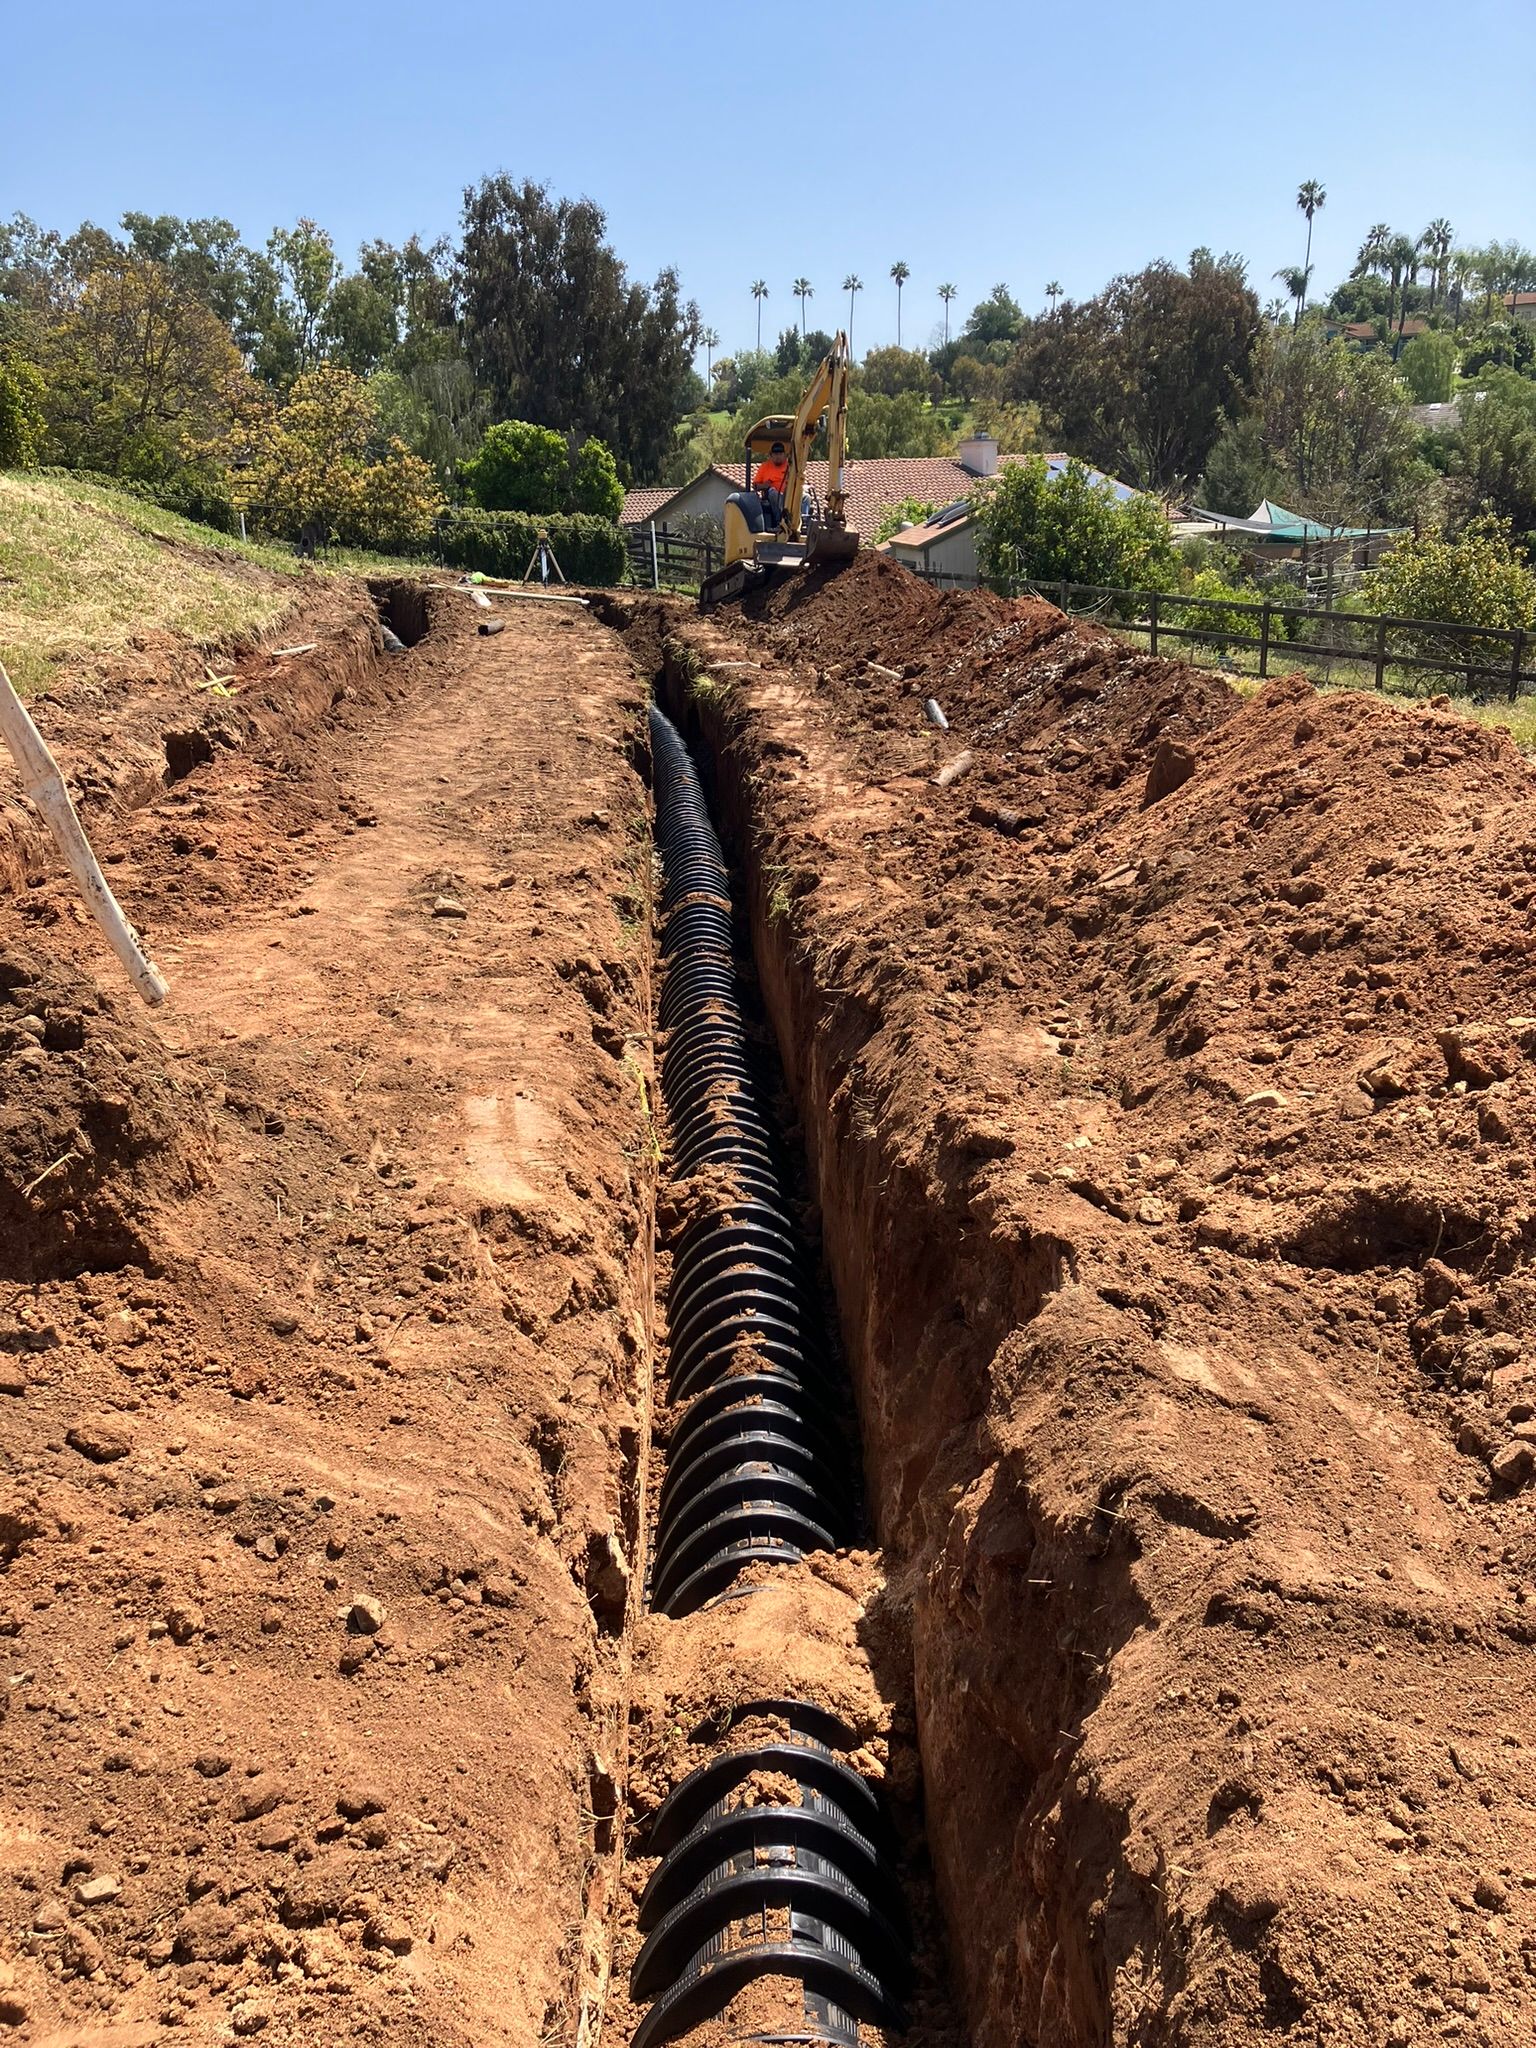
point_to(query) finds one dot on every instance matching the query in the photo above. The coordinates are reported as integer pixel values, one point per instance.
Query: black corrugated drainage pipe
(757, 1472)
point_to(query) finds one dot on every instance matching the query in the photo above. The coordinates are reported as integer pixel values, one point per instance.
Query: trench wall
(931, 1283)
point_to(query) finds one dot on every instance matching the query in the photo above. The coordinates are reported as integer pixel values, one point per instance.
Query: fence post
(1517, 664)
(1381, 652)
(1152, 597)
(1264, 639)
(1062, 593)
(655, 563)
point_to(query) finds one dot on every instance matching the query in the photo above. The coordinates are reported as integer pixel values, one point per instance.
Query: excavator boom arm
(827, 392)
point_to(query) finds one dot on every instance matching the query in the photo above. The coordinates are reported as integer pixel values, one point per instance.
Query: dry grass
(84, 570)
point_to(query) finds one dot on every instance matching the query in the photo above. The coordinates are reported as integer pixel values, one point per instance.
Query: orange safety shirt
(773, 473)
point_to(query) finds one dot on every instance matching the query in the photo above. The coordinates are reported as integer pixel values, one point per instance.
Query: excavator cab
(809, 530)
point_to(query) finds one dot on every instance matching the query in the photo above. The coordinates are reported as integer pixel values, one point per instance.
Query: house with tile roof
(874, 485)
(943, 547)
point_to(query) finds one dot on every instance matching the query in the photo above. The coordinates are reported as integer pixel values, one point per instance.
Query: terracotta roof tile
(643, 504)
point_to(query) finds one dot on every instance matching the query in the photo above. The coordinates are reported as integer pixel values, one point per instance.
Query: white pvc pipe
(41, 779)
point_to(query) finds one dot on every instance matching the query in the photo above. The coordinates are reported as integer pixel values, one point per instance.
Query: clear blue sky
(976, 140)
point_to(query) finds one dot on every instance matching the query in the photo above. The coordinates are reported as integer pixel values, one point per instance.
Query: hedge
(502, 543)
(192, 494)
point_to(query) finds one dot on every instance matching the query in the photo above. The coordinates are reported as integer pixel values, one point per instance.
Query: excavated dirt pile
(96, 1127)
(1170, 1083)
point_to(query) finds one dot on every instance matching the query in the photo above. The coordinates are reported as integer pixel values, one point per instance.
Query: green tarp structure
(1272, 522)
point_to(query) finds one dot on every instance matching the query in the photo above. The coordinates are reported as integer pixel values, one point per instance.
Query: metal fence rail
(658, 556)
(1484, 659)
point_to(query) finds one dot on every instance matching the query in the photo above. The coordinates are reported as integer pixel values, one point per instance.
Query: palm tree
(900, 272)
(1463, 271)
(1053, 293)
(1437, 239)
(1295, 281)
(711, 340)
(1401, 258)
(851, 284)
(1374, 248)
(803, 289)
(1310, 199)
(946, 293)
(759, 292)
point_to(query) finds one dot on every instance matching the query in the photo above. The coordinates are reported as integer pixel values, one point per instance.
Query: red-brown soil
(1170, 1085)
(324, 1313)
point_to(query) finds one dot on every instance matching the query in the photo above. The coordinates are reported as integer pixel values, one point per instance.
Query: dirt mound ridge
(95, 1128)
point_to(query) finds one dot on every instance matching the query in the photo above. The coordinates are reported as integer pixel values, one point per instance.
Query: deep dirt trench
(1164, 1093)
(1185, 1303)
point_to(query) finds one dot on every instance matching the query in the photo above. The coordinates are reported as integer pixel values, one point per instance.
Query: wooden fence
(1482, 660)
(657, 557)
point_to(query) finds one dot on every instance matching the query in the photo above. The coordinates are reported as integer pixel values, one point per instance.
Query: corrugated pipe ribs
(757, 1472)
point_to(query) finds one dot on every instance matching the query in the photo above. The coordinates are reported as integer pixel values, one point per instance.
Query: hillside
(90, 572)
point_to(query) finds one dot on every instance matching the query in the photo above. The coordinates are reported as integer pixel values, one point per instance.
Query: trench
(1010, 1611)
(783, 1889)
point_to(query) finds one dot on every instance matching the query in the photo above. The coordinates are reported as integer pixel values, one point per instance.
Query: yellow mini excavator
(806, 531)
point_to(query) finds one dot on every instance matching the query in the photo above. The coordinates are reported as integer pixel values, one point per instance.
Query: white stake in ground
(41, 779)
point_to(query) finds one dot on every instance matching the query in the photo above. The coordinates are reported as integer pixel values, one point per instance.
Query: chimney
(978, 454)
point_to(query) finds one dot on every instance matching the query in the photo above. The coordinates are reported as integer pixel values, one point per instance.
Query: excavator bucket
(831, 544)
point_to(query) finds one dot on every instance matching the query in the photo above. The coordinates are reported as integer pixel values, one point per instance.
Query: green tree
(910, 512)
(1374, 248)
(519, 467)
(22, 418)
(1015, 428)
(1336, 425)
(595, 485)
(1402, 260)
(1240, 472)
(1494, 452)
(137, 369)
(435, 408)
(308, 461)
(1481, 578)
(1436, 242)
(803, 289)
(1296, 282)
(894, 370)
(998, 318)
(947, 293)
(290, 294)
(1427, 366)
(359, 327)
(1042, 528)
(852, 283)
(759, 292)
(560, 335)
(903, 425)
(1140, 379)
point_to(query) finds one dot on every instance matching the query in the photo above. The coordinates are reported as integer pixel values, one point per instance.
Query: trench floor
(317, 1513)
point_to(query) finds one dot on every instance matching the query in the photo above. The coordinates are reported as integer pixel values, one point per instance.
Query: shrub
(1036, 527)
(1427, 366)
(522, 468)
(1479, 579)
(595, 486)
(502, 543)
(518, 468)
(198, 493)
(910, 512)
(22, 419)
